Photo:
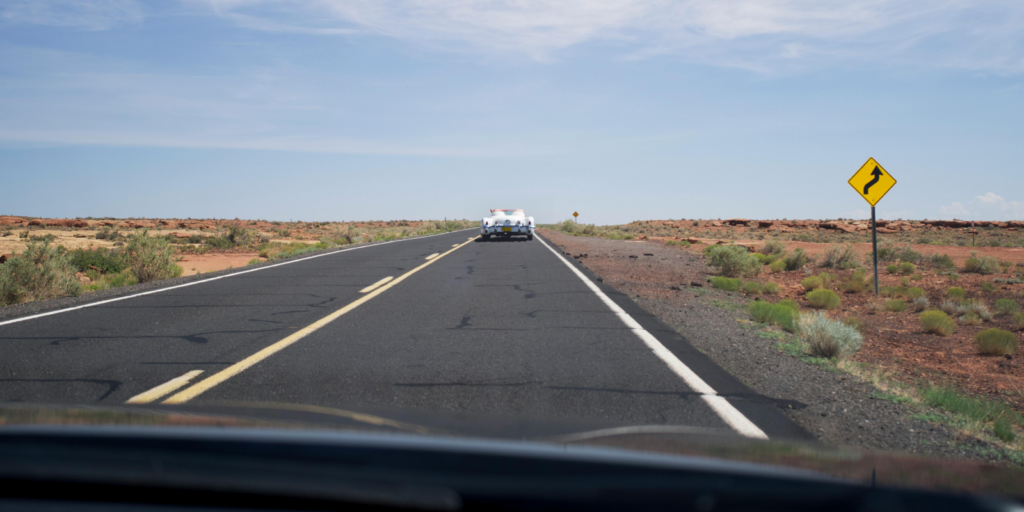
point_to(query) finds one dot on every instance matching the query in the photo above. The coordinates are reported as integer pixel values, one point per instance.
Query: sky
(620, 110)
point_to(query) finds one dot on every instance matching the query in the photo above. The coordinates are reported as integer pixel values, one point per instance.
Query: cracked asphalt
(502, 329)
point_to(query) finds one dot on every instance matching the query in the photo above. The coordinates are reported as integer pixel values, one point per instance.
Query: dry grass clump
(956, 293)
(895, 305)
(921, 304)
(842, 258)
(827, 337)
(770, 288)
(996, 342)
(937, 322)
(949, 307)
(977, 307)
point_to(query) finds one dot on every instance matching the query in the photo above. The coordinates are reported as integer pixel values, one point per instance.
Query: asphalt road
(484, 330)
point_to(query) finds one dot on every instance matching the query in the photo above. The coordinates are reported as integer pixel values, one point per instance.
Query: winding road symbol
(877, 174)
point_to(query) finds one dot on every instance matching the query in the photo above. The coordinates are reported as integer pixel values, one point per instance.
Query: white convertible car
(506, 224)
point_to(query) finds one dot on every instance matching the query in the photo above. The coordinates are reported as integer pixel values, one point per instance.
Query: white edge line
(233, 274)
(163, 389)
(719, 404)
(376, 285)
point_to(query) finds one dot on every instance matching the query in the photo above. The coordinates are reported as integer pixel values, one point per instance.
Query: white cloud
(1011, 209)
(985, 207)
(759, 34)
(956, 209)
(87, 14)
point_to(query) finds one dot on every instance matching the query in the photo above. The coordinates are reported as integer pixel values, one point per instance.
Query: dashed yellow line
(374, 286)
(432, 256)
(225, 374)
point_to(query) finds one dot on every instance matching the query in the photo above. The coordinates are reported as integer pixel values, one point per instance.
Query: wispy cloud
(986, 206)
(762, 34)
(85, 14)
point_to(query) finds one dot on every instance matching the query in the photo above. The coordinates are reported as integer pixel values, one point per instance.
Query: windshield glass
(789, 234)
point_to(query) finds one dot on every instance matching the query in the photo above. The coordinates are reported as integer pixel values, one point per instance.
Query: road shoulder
(670, 284)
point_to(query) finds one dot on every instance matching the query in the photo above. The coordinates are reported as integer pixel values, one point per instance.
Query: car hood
(851, 464)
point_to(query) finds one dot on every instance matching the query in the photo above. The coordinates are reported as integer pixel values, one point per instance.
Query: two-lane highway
(441, 323)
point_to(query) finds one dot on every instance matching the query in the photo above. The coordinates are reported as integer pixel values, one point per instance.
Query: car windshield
(782, 233)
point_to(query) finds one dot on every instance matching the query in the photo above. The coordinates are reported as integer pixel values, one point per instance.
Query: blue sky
(619, 109)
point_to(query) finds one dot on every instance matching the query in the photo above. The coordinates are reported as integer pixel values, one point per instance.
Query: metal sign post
(872, 182)
(874, 247)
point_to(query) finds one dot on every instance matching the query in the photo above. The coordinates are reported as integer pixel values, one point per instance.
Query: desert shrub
(970, 319)
(996, 342)
(759, 310)
(40, 272)
(904, 281)
(886, 291)
(949, 307)
(826, 279)
(796, 260)
(956, 293)
(823, 299)
(921, 304)
(942, 262)
(855, 322)
(1003, 430)
(916, 277)
(874, 307)
(907, 268)
(1007, 306)
(777, 266)
(150, 259)
(680, 243)
(752, 288)
(104, 259)
(895, 305)
(1018, 321)
(915, 292)
(840, 257)
(826, 337)
(726, 283)
(106, 281)
(987, 287)
(937, 322)
(732, 260)
(812, 283)
(892, 269)
(770, 288)
(773, 247)
(854, 286)
(254, 261)
(981, 264)
(782, 313)
(761, 258)
(977, 307)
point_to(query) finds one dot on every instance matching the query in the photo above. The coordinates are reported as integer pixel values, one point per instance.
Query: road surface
(443, 323)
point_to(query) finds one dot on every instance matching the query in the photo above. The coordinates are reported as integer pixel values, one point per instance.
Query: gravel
(838, 408)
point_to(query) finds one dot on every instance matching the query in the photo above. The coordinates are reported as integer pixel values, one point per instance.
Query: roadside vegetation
(46, 270)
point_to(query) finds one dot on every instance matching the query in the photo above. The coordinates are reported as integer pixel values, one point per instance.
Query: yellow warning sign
(872, 181)
(575, 214)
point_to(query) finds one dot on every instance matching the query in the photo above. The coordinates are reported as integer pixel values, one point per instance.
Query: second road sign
(872, 181)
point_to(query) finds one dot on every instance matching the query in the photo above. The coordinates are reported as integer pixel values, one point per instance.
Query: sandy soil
(201, 264)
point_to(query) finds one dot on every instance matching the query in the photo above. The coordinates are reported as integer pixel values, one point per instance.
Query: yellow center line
(225, 374)
(432, 256)
(374, 286)
(163, 389)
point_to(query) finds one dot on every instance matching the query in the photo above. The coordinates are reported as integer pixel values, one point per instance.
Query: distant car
(506, 224)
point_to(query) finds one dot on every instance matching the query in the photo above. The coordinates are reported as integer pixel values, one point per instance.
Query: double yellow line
(225, 374)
